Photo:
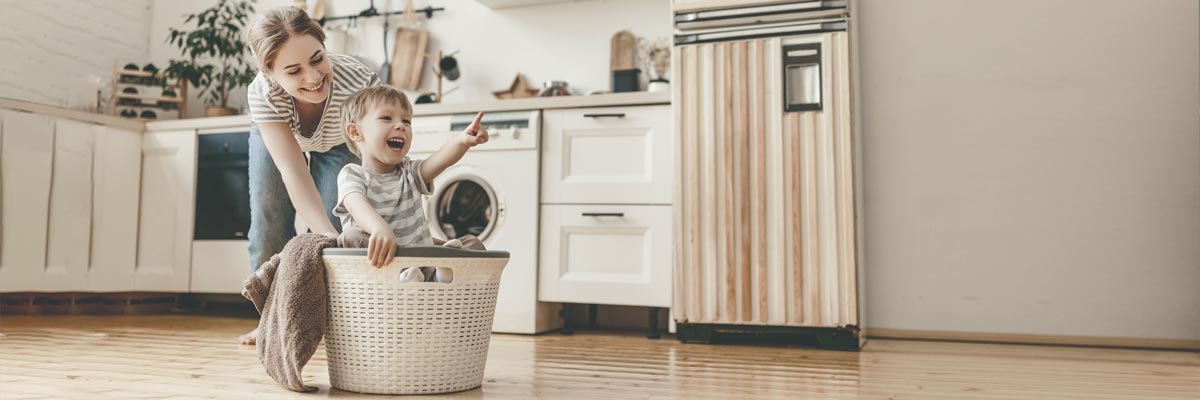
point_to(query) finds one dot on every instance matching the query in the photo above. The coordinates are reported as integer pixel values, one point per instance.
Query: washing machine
(492, 193)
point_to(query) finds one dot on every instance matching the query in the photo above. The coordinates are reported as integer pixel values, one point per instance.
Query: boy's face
(384, 134)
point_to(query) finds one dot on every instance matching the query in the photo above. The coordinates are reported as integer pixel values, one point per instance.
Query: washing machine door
(464, 203)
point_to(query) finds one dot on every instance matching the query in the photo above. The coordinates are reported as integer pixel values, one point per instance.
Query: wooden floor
(178, 357)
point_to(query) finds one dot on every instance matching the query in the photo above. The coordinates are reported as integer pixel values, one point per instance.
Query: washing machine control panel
(507, 130)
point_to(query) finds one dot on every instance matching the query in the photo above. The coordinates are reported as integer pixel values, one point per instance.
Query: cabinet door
(765, 211)
(219, 266)
(70, 223)
(27, 147)
(607, 155)
(116, 183)
(165, 218)
(606, 255)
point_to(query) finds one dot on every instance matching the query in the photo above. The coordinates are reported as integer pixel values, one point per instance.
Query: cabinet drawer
(607, 155)
(606, 255)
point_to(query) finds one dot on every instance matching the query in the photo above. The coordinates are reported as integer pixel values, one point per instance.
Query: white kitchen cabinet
(70, 217)
(26, 161)
(608, 155)
(606, 254)
(219, 266)
(165, 221)
(116, 182)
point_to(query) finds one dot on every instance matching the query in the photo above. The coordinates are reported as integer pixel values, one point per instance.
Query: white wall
(59, 52)
(568, 41)
(1033, 166)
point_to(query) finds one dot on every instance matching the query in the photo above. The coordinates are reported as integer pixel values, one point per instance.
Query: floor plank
(194, 357)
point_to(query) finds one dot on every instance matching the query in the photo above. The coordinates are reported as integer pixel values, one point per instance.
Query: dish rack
(145, 82)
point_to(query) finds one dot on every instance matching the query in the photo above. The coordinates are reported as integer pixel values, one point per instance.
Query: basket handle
(422, 251)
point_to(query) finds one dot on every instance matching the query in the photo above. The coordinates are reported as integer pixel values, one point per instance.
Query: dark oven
(222, 186)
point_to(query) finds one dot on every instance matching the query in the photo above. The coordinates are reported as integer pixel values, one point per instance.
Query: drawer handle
(601, 214)
(614, 115)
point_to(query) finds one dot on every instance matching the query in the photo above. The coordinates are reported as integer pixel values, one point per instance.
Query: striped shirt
(395, 195)
(270, 103)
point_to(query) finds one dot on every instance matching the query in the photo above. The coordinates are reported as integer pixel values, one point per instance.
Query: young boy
(382, 197)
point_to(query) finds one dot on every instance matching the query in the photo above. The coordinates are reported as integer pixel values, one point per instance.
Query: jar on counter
(554, 88)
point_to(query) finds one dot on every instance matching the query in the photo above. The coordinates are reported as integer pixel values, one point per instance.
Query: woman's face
(303, 70)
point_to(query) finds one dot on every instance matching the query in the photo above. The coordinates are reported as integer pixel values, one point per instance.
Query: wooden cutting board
(408, 55)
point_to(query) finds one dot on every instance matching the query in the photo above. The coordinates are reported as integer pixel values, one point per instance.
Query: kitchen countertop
(83, 116)
(532, 103)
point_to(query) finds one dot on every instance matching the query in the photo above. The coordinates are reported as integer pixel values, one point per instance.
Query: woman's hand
(381, 247)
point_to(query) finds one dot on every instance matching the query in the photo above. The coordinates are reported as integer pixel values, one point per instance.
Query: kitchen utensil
(449, 67)
(385, 70)
(408, 55)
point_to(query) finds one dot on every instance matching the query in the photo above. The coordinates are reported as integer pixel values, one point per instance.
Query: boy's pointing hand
(475, 134)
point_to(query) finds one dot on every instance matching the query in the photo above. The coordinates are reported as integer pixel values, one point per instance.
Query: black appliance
(222, 186)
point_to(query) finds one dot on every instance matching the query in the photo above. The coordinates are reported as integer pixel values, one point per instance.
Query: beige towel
(289, 292)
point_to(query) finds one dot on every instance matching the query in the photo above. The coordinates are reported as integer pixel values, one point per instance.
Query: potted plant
(216, 60)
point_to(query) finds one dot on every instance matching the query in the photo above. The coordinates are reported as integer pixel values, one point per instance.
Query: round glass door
(465, 206)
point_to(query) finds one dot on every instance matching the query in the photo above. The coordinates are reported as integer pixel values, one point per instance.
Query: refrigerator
(767, 194)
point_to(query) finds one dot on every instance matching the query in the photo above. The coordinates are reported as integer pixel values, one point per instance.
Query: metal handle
(802, 77)
(614, 115)
(601, 214)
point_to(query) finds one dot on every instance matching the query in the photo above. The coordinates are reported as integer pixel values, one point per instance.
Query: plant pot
(658, 85)
(214, 111)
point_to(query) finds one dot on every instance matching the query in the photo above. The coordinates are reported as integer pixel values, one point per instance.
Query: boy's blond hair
(357, 105)
(273, 28)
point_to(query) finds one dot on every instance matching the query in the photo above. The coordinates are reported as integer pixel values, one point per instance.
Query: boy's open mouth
(396, 143)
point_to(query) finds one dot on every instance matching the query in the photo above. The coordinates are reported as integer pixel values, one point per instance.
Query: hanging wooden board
(408, 56)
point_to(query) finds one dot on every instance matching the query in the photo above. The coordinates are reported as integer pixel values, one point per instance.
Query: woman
(295, 104)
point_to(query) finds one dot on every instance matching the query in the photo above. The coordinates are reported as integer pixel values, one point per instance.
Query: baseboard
(1062, 340)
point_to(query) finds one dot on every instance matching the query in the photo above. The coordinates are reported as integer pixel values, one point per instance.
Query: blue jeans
(272, 215)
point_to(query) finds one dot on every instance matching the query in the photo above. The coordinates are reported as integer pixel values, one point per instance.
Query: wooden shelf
(179, 85)
(139, 74)
(150, 98)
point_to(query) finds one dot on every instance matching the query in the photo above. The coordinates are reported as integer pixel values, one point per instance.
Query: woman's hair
(273, 28)
(356, 107)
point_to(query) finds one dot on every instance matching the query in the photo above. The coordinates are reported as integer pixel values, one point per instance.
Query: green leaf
(217, 61)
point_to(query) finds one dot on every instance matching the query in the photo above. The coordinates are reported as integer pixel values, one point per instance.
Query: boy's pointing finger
(477, 121)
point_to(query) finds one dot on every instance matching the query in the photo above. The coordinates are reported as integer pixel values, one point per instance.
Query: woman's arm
(299, 182)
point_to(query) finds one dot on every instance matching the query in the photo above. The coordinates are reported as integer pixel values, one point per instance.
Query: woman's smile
(316, 89)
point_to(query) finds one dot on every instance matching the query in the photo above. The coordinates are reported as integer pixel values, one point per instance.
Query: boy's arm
(362, 211)
(382, 244)
(453, 150)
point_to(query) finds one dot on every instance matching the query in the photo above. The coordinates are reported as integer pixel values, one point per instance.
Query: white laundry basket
(388, 337)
